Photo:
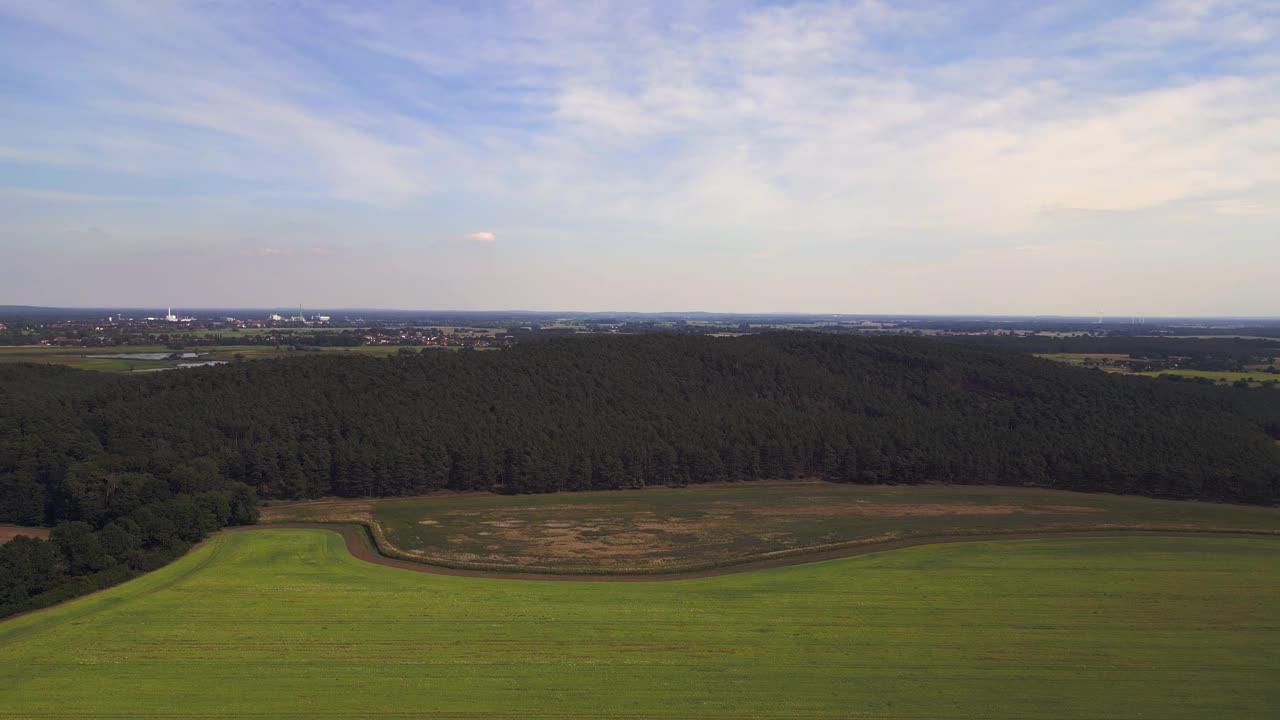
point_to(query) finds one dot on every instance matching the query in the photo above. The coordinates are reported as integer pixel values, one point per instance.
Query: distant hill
(20, 309)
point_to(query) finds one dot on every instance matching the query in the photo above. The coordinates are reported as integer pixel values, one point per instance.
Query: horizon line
(1056, 316)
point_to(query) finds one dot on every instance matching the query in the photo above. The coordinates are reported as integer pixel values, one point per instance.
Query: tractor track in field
(361, 544)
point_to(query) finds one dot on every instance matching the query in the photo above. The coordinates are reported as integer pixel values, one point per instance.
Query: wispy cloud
(882, 138)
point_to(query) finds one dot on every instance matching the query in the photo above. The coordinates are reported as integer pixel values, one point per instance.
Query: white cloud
(179, 73)
(480, 237)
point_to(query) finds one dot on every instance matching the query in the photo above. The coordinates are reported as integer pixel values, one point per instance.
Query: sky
(869, 156)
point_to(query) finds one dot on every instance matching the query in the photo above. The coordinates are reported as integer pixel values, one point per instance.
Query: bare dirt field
(9, 532)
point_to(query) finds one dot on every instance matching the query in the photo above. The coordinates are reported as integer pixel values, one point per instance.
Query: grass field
(457, 330)
(75, 357)
(1256, 377)
(1079, 358)
(670, 529)
(286, 624)
(239, 332)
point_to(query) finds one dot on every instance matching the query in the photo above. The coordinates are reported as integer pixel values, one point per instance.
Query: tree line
(132, 469)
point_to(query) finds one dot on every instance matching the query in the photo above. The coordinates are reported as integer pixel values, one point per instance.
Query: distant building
(171, 317)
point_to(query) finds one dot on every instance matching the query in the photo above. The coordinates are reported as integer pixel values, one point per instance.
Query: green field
(286, 624)
(1222, 376)
(670, 529)
(1256, 377)
(1079, 358)
(75, 356)
(457, 330)
(238, 332)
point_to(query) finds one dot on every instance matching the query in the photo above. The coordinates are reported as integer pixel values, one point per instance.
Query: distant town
(178, 328)
(1240, 351)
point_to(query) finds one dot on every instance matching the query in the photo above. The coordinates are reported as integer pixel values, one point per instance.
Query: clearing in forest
(9, 532)
(662, 530)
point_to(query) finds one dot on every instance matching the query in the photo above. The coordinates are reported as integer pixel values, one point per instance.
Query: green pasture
(239, 332)
(75, 356)
(33, 353)
(1225, 377)
(286, 624)
(1079, 358)
(661, 529)
(460, 330)
(1217, 376)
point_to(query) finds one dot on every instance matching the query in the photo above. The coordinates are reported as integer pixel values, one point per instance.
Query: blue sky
(857, 157)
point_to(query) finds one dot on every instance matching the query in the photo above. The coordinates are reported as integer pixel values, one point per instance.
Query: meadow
(1255, 377)
(660, 529)
(77, 357)
(285, 623)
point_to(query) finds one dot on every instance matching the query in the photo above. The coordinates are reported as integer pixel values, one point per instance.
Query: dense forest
(132, 469)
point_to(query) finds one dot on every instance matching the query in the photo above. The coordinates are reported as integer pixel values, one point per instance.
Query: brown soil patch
(321, 511)
(9, 532)
(1070, 508)
(567, 543)
(935, 509)
(674, 525)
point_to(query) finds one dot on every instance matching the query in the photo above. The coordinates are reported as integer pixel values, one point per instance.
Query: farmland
(1116, 363)
(79, 357)
(285, 623)
(673, 529)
